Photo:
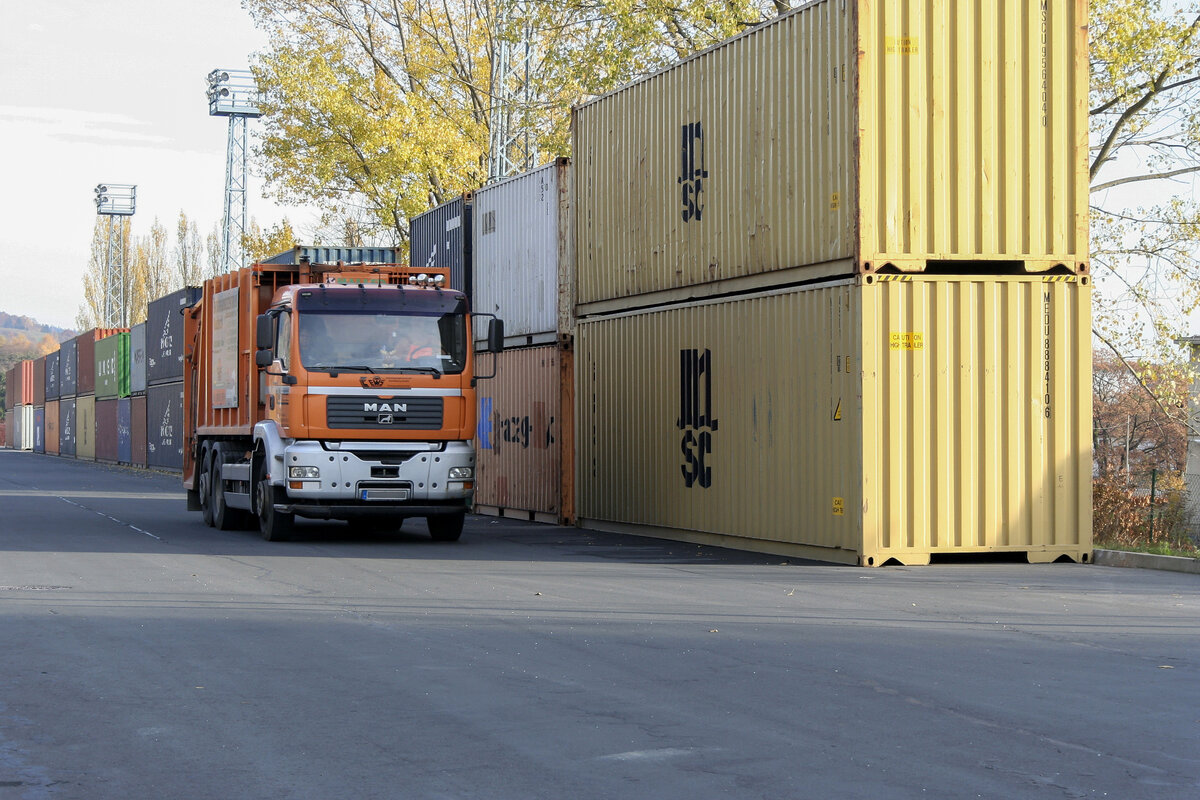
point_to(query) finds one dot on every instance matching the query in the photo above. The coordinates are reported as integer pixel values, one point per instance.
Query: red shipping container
(39, 381)
(525, 442)
(23, 373)
(106, 431)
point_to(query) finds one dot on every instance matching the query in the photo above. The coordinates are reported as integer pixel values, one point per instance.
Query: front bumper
(361, 477)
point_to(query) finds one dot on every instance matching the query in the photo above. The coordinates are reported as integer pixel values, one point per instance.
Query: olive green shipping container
(857, 421)
(845, 137)
(112, 366)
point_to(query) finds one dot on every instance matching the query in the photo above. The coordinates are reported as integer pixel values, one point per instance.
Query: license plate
(383, 494)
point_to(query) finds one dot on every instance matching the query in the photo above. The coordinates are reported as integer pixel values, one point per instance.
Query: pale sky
(95, 91)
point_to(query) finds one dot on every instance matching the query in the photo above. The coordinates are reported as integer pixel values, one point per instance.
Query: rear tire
(224, 517)
(446, 527)
(204, 484)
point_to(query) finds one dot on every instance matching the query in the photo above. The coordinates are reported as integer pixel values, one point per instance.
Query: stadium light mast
(512, 147)
(115, 200)
(233, 93)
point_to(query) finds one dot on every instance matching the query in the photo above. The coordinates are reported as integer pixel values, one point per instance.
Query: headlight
(461, 473)
(304, 473)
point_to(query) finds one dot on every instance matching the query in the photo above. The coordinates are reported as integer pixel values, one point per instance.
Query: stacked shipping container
(39, 405)
(844, 318)
(523, 275)
(441, 237)
(138, 351)
(164, 380)
(112, 388)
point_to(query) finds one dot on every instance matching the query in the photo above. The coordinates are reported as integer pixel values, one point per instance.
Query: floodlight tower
(115, 200)
(233, 93)
(511, 148)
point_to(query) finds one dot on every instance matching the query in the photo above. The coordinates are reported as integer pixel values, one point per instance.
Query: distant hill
(12, 326)
(22, 338)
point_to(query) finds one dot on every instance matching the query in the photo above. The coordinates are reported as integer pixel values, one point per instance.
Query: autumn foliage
(1140, 447)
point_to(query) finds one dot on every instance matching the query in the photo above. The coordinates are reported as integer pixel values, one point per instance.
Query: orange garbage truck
(330, 391)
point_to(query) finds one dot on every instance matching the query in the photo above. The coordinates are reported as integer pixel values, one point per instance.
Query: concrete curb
(1122, 558)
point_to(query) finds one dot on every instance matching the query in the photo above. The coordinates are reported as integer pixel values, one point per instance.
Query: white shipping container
(523, 267)
(22, 417)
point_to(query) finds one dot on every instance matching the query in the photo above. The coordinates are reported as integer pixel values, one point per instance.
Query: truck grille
(409, 414)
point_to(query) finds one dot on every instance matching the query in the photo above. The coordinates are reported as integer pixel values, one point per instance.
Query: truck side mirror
(495, 335)
(264, 358)
(264, 334)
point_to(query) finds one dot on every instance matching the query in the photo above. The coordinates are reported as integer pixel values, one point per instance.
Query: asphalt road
(145, 655)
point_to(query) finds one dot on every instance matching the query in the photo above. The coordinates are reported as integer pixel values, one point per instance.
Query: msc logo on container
(691, 171)
(696, 418)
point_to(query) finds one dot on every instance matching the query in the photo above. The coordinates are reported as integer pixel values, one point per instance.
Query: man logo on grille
(385, 419)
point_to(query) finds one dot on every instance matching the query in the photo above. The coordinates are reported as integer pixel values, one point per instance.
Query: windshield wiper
(431, 370)
(333, 371)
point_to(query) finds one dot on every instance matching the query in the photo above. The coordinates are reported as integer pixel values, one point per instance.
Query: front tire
(274, 526)
(446, 527)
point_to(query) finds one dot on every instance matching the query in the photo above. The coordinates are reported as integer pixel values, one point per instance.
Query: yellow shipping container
(847, 136)
(861, 420)
(85, 427)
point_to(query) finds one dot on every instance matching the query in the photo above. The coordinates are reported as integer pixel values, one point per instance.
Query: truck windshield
(414, 341)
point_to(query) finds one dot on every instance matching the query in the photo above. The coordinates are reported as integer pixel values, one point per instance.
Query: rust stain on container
(525, 440)
(864, 420)
(843, 137)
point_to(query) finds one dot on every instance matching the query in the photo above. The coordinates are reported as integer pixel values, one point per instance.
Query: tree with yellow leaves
(1145, 156)
(377, 110)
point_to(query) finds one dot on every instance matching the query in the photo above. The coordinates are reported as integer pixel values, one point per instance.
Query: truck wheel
(446, 527)
(275, 526)
(224, 517)
(204, 485)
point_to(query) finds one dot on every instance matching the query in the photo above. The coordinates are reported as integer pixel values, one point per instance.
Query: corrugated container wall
(106, 430)
(85, 427)
(39, 429)
(52, 369)
(525, 440)
(52, 443)
(164, 336)
(66, 427)
(523, 266)
(843, 137)
(164, 426)
(895, 417)
(86, 357)
(112, 366)
(137, 359)
(124, 430)
(23, 416)
(68, 383)
(23, 372)
(441, 238)
(137, 430)
(39, 381)
(10, 388)
(332, 255)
